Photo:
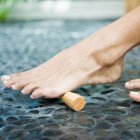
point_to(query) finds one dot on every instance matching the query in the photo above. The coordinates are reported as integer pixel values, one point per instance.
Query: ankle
(107, 47)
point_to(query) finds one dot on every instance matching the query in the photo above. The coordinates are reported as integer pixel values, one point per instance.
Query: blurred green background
(16, 10)
(5, 8)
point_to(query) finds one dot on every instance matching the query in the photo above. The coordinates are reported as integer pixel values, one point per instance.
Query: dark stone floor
(109, 113)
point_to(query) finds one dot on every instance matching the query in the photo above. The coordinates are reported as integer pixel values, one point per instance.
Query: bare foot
(134, 85)
(66, 71)
(97, 59)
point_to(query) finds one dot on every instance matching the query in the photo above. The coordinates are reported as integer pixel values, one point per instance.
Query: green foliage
(5, 8)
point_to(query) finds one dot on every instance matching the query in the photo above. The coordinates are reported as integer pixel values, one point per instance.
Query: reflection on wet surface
(109, 113)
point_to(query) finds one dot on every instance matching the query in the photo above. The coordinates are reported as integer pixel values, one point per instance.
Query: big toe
(9, 80)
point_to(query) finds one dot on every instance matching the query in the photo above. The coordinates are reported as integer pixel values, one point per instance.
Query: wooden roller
(73, 100)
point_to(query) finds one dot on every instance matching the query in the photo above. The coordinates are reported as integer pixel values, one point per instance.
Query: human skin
(95, 60)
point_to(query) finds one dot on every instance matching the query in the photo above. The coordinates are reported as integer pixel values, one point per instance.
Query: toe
(9, 80)
(38, 93)
(135, 96)
(133, 84)
(19, 85)
(14, 78)
(30, 87)
(47, 93)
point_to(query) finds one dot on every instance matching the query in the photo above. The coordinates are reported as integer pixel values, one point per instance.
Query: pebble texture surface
(109, 113)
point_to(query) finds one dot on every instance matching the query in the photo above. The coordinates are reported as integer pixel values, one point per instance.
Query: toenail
(5, 77)
(133, 93)
(23, 91)
(13, 87)
(32, 96)
(127, 83)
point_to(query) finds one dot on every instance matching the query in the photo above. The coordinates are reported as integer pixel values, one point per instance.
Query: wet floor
(109, 113)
